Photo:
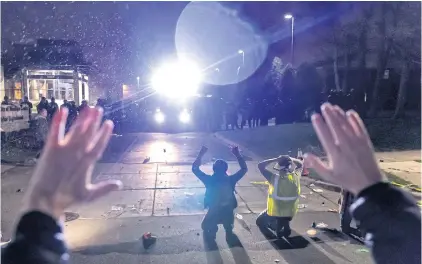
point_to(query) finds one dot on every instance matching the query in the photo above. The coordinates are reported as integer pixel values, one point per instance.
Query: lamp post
(292, 51)
(243, 56)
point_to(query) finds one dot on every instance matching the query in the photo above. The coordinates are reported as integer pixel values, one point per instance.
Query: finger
(79, 126)
(101, 189)
(345, 129)
(357, 124)
(324, 135)
(94, 124)
(57, 127)
(318, 166)
(100, 143)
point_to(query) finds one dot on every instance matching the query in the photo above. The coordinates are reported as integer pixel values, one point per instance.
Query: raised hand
(63, 174)
(202, 151)
(351, 159)
(235, 151)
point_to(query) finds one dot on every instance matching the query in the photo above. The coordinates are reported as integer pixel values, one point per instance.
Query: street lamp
(287, 17)
(137, 78)
(243, 56)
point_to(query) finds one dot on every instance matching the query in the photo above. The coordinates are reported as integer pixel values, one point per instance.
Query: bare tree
(388, 17)
(406, 48)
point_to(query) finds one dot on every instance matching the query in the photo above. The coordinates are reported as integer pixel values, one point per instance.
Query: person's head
(284, 163)
(84, 102)
(6, 98)
(220, 167)
(42, 112)
(43, 99)
(64, 101)
(25, 98)
(53, 99)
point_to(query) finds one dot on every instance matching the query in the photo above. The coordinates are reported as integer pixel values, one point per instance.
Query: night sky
(127, 39)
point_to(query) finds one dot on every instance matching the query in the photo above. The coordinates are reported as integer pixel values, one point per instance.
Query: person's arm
(298, 163)
(242, 163)
(202, 176)
(391, 220)
(262, 166)
(38, 240)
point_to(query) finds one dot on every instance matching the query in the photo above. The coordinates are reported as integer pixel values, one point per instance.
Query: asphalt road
(162, 196)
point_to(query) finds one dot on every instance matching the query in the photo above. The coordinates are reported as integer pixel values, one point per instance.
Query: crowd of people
(389, 216)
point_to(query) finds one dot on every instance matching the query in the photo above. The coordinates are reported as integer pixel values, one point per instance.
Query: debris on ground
(242, 222)
(318, 190)
(189, 194)
(19, 190)
(302, 206)
(321, 225)
(381, 160)
(146, 160)
(332, 210)
(276, 260)
(303, 196)
(362, 250)
(311, 232)
(148, 240)
(197, 234)
(311, 185)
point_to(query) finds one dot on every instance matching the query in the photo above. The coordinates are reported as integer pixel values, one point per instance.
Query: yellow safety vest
(283, 195)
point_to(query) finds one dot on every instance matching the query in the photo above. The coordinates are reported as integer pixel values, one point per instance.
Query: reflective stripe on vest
(275, 196)
(286, 204)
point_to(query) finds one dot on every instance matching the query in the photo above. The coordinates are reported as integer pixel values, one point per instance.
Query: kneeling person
(283, 193)
(219, 195)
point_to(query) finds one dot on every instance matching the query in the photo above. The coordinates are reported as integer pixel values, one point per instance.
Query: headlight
(159, 117)
(184, 117)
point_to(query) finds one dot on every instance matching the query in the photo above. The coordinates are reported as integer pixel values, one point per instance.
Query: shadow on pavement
(238, 251)
(288, 249)
(212, 252)
(164, 246)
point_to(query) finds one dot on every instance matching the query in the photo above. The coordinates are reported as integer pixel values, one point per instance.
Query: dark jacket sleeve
(240, 173)
(391, 220)
(202, 176)
(38, 240)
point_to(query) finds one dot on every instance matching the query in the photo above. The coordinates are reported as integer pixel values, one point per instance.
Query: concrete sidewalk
(401, 167)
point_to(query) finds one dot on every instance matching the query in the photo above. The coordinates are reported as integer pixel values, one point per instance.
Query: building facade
(48, 68)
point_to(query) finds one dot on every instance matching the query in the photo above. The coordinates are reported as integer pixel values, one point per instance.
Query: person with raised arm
(219, 195)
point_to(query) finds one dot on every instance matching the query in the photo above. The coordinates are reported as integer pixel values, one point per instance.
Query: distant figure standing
(65, 104)
(41, 129)
(83, 105)
(5, 101)
(52, 109)
(43, 104)
(27, 104)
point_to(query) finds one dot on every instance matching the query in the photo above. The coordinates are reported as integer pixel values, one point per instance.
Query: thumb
(315, 163)
(103, 188)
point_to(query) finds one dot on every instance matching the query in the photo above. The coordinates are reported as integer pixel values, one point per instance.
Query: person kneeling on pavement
(283, 194)
(219, 195)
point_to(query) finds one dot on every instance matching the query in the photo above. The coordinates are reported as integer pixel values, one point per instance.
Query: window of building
(60, 89)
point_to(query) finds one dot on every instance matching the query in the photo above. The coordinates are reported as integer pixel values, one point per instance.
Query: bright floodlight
(178, 80)
(240, 51)
(288, 16)
(159, 117)
(184, 116)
